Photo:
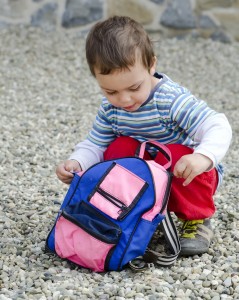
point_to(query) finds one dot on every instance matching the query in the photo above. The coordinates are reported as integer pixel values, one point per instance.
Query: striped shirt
(170, 115)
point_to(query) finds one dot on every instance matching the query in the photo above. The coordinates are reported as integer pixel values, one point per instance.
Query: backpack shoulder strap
(154, 258)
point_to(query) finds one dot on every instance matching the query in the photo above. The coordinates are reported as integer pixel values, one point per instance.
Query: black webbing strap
(154, 258)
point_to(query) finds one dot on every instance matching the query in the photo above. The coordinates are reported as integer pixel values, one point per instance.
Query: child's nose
(124, 98)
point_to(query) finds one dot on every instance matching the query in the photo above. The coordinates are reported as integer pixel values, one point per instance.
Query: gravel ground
(48, 101)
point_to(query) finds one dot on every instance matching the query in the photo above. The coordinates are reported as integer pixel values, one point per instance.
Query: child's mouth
(129, 107)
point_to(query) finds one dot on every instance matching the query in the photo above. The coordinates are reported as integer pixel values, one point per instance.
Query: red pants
(191, 202)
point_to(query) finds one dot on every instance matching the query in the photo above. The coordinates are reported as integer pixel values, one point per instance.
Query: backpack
(112, 210)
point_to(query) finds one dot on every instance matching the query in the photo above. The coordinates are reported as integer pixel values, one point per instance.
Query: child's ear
(153, 66)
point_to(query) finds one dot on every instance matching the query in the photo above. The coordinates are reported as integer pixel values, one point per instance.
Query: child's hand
(64, 170)
(191, 165)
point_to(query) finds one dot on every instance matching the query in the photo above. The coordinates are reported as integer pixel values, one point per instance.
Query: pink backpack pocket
(118, 192)
(85, 237)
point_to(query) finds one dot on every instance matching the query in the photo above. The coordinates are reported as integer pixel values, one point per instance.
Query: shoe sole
(193, 252)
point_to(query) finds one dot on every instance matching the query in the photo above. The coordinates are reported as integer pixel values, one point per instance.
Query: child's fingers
(62, 173)
(65, 170)
(179, 169)
(67, 181)
(189, 178)
(72, 166)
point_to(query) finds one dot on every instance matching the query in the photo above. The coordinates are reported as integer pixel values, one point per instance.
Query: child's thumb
(73, 166)
(76, 167)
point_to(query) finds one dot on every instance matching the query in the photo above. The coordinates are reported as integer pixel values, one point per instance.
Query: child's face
(128, 88)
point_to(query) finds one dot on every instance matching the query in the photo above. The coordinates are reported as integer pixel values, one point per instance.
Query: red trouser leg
(191, 202)
(194, 201)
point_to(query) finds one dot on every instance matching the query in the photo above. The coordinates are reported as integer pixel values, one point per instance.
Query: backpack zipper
(111, 199)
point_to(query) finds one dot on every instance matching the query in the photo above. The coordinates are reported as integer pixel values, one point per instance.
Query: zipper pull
(123, 212)
(122, 208)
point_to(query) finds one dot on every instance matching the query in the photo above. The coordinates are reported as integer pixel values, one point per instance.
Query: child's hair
(113, 44)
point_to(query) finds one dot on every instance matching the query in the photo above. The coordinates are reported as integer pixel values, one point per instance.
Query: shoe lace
(189, 228)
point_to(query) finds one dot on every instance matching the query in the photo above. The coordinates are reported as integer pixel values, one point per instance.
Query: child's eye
(135, 89)
(110, 93)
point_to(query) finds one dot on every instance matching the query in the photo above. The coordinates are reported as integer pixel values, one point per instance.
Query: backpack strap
(151, 257)
(160, 147)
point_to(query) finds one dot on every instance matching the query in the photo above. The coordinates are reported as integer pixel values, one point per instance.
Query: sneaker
(196, 236)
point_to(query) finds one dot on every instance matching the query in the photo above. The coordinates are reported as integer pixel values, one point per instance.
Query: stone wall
(217, 19)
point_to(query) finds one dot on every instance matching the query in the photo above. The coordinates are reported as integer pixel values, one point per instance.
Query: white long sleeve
(87, 154)
(214, 137)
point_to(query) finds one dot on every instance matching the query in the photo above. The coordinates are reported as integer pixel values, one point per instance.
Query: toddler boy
(140, 104)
